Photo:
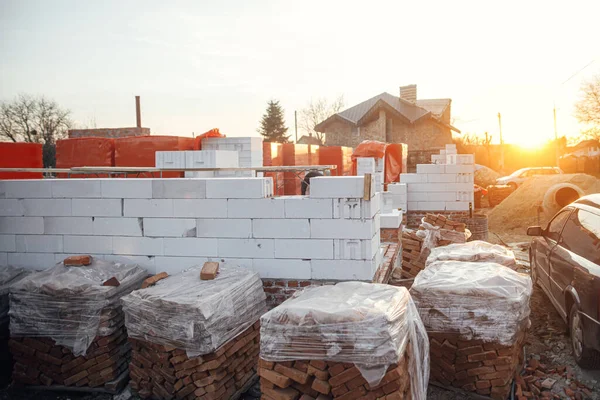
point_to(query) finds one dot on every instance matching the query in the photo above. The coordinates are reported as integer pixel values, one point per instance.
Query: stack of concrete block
(250, 152)
(172, 224)
(373, 166)
(197, 159)
(446, 186)
(394, 204)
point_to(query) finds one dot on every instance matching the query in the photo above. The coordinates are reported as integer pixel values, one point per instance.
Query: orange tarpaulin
(21, 155)
(297, 155)
(85, 152)
(273, 157)
(395, 157)
(213, 133)
(339, 156)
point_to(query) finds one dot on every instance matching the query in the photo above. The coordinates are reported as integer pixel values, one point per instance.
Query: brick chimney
(409, 93)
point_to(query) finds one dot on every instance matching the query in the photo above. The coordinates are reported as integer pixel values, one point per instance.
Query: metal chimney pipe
(138, 112)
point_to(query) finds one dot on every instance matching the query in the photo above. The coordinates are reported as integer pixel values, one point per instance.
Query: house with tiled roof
(423, 124)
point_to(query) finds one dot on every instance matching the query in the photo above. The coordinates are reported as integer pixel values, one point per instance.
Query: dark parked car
(565, 262)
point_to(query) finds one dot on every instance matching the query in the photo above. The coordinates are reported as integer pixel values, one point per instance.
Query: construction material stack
(353, 340)
(195, 338)
(67, 326)
(8, 276)
(249, 149)
(476, 315)
(475, 251)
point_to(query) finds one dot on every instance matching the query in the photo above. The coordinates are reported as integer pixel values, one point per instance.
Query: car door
(546, 243)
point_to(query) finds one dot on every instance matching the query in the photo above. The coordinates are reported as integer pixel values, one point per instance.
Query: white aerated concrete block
(460, 169)
(138, 246)
(440, 196)
(387, 202)
(169, 159)
(412, 178)
(251, 248)
(430, 169)
(355, 249)
(200, 208)
(391, 220)
(237, 188)
(179, 188)
(8, 243)
(97, 207)
(304, 248)
(174, 265)
(356, 208)
(48, 207)
(361, 270)
(240, 262)
(148, 208)
(438, 159)
(431, 206)
(339, 187)
(465, 178)
(11, 208)
(169, 227)
(428, 187)
(3, 259)
(305, 207)
(199, 174)
(68, 225)
(256, 208)
(398, 188)
(450, 146)
(451, 151)
(117, 188)
(22, 225)
(442, 178)
(280, 228)
(365, 165)
(190, 247)
(459, 187)
(30, 188)
(117, 226)
(342, 228)
(76, 188)
(465, 196)
(224, 228)
(457, 206)
(31, 261)
(88, 244)
(38, 244)
(211, 159)
(284, 269)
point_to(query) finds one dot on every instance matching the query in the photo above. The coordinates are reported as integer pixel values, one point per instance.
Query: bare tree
(34, 120)
(587, 109)
(316, 112)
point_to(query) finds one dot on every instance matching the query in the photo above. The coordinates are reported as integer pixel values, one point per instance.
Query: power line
(576, 73)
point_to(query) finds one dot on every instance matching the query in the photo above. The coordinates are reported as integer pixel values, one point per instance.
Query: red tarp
(213, 133)
(395, 157)
(139, 151)
(339, 156)
(85, 152)
(297, 155)
(21, 155)
(273, 157)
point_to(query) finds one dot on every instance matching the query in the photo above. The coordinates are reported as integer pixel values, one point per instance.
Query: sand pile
(520, 209)
(485, 176)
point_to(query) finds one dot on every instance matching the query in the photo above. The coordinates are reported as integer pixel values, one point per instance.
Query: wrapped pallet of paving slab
(9, 275)
(475, 251)
(195, 338)
(353, 340)
(476, 316)
(67, 326)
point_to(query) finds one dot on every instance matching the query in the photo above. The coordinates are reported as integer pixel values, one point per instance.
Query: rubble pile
(67, 326)
(352, 340)
(539, 381)
(195, 338)
(476, 316)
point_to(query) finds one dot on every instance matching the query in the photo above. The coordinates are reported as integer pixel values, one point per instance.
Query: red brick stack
(411, 252)
(67, 326)
(476, 316)
(312, 345)
(195, 338)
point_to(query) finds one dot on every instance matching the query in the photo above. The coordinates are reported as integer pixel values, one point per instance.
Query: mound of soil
(485, 176)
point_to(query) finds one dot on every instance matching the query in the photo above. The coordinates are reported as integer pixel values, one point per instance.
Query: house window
(356, 131)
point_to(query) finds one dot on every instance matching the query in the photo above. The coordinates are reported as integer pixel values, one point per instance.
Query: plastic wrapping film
(476, 300)
(8, 276)
(369, 325)
(475, 251)
(195, 315)
(432, 235)
(70, 305)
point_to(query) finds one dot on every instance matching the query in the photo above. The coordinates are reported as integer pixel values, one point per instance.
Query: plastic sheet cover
(432, 235)
(199, 316)
(8, 276)
(475, 251)
(485, 301)
(69, 304)
(370, 325)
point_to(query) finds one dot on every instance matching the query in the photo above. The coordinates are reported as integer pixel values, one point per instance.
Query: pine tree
(272, 126)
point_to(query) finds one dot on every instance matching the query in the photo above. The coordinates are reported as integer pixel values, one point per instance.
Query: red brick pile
(317, 379)
(411, 252)
(164, 372)
(41, 362)
(539, 380)
(389, 265)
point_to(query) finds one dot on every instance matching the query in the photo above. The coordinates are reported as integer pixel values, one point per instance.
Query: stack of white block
(446, 186)
(172, 224)
(250, 152)
(197, 159)
(394, 205)
(373, 166)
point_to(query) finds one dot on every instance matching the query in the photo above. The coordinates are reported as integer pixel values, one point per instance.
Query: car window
(582, 235)
(556, 225)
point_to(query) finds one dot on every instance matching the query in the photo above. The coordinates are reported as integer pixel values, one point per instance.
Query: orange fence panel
(297, 155)
(339, 156)
(273, 157)
(21, 155)
(85, 152)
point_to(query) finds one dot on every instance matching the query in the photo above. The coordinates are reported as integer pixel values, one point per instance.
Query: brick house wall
(108, 132)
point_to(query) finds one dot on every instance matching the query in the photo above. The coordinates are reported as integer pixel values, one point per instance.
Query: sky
(198, 65)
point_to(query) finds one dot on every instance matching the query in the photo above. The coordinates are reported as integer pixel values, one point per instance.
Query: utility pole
(555, 136)
(501, 143)
(296, 124)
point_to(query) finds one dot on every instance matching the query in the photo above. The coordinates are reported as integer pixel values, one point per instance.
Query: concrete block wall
(445, 185)
(172, 224)
(250, 153)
